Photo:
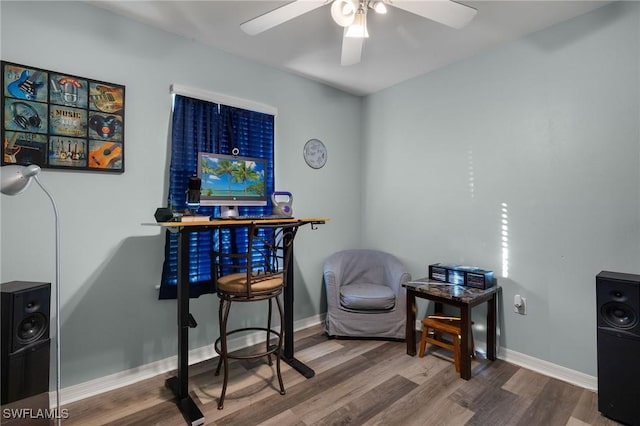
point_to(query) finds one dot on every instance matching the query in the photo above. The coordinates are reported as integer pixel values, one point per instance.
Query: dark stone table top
(450, 291)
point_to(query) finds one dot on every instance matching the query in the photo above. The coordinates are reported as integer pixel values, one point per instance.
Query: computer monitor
(231, 181)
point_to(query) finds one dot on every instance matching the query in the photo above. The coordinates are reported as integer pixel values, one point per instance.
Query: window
(200, 124)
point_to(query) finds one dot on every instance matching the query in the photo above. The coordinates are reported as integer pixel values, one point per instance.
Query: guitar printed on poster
(10, 148)
(64, 151)
(24, 148)
(105, 98)
(105, 155)
(25, 83)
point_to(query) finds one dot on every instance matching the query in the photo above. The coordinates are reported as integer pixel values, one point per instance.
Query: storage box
(468, 276)
(438, 272)
(479, 278)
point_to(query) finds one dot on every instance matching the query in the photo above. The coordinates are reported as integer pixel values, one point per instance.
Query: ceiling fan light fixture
(379, 7)
(343, 12)
(359, 27)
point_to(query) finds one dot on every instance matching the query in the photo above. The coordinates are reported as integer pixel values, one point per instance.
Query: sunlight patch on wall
(505, 239)
(470, 173)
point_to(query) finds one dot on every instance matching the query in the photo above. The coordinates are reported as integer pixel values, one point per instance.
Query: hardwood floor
(357, 382)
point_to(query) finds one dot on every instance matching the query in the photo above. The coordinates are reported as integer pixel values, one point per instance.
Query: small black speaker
(618, 326)
(193, 193)
(163, 214)
(24, 339)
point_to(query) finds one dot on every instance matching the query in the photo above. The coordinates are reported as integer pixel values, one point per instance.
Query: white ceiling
(401, 45)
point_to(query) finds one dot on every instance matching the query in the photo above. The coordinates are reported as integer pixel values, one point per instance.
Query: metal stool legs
(221, 345)
(223, 315)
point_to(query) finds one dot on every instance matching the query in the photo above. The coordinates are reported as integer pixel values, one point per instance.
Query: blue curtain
(201, 126)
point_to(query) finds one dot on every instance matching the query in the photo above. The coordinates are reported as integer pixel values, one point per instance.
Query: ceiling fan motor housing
(343, 12)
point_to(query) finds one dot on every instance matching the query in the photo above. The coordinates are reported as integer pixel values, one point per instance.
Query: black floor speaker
(618, 324)
(24, 341)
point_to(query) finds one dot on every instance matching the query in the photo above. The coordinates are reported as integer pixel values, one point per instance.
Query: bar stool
(262, 275)
(433, 329)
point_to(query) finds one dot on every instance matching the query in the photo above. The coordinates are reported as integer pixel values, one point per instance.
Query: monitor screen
(229, 180)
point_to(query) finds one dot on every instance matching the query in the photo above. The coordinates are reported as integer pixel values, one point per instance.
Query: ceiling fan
(352, 15)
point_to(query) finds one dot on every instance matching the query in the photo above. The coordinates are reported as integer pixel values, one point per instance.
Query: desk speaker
(24, 340)
(618, 324)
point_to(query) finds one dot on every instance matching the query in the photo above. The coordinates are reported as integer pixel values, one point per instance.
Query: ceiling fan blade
(446, 12)
(351, 49)
(280, 15)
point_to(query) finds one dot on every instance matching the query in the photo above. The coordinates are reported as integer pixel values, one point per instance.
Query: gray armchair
(365, 296)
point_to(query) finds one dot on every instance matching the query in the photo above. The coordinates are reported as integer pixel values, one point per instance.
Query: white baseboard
(549, 369)
(124, 378)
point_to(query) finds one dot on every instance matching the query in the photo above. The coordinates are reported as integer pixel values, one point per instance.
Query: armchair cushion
(364, 296)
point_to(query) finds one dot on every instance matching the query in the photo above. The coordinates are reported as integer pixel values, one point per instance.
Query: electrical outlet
(520, 305)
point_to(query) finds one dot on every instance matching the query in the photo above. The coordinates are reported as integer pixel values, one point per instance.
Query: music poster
(61, 121)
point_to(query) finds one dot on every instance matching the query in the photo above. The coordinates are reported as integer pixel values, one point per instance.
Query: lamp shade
(14, 179)
(379, 7)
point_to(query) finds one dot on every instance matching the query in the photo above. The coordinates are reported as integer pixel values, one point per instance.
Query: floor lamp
(14, 180)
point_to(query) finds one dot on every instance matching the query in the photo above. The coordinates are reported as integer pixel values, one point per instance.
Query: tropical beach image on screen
(238, 178)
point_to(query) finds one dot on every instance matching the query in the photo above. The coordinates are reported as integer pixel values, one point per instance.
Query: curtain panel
(203, 126)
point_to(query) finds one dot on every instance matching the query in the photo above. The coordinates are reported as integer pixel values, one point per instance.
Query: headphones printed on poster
(25, 116)
(105, 127)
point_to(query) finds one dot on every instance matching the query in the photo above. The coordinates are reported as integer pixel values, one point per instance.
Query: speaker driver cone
(619, 315)
(31, 328)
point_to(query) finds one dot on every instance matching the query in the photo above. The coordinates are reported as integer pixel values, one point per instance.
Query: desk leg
(465, 342)
(491, 327)
(180, 384)
(287, 355)
(410, 332)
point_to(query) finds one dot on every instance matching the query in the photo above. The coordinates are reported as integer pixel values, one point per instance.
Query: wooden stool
(443, 324)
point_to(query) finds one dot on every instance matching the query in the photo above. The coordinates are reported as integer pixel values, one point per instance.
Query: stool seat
(434, 326)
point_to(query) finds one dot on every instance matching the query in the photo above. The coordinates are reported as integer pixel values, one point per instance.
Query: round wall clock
(315, 153)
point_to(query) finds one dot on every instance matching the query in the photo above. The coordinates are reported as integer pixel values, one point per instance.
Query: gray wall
(547, 125)
(111, 318)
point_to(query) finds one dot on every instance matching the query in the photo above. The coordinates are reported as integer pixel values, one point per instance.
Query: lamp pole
(15, 179)
(57, 278)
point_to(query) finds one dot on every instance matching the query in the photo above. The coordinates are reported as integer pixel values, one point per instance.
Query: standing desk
(180, 383)
(463, 298)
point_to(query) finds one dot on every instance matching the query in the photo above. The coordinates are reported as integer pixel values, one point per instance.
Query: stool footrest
(271, 349)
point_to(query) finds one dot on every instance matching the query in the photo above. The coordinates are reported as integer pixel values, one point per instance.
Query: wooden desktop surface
(236, 222)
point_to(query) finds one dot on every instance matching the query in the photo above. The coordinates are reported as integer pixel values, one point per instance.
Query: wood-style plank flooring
(357, 382)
